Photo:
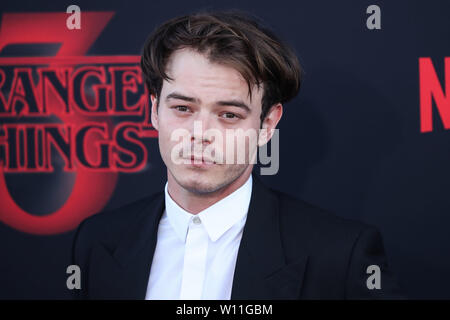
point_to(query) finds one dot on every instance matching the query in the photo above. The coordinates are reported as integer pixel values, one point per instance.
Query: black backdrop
(350, 142)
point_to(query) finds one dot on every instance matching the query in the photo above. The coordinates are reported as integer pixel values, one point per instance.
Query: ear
(154, 115)
(269, 123)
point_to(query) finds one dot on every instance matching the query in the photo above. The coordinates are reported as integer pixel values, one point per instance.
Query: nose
(199, 128)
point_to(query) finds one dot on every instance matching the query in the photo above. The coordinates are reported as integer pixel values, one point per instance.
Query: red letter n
(430, 87)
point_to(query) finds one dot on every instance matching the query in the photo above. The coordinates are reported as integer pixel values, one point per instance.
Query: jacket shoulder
(299, 210)
(314, 227)
(108, 226)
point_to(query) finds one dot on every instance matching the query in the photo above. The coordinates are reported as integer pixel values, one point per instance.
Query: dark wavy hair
(230, 38)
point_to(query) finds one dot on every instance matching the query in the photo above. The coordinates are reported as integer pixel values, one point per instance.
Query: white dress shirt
(195, 255)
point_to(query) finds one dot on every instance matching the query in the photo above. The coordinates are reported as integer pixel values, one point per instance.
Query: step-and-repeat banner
(367, 138)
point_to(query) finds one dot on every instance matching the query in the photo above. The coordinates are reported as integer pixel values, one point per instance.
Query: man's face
(214, 96)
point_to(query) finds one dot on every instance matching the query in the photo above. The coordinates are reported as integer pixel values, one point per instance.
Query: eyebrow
(233, 102)
(178, 96)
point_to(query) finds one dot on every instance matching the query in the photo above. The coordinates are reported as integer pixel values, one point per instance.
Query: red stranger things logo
(90, 111)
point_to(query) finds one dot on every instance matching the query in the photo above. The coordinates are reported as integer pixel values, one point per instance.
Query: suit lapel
(262, 271)
(123, 274)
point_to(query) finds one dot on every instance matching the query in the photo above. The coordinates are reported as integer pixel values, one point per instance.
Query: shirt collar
(216, 219)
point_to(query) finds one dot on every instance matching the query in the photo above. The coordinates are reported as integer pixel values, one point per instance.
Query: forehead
(194, 74)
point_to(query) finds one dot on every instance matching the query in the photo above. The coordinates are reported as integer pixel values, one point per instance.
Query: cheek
(172, 142)
(170, 125)
(164, 140)
(248, 140)
(167, 125)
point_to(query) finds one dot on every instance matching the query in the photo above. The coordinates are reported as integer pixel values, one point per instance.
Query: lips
(199, 162)
(202, 160)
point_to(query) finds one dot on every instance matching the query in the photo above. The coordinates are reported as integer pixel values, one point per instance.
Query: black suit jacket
(289, 250)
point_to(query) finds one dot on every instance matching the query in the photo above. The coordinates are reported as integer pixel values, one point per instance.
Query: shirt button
(196, 220)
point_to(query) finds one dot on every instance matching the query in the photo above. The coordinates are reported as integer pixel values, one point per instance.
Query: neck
(195, 203)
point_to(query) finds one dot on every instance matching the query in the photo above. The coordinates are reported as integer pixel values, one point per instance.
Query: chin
(201, 187)
(206, 182)
(200, 183)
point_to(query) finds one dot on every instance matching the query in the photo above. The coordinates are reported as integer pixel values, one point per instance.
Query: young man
(216, 232)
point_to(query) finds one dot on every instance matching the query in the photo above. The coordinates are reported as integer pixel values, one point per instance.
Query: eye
(181, 108)
(229, 115)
